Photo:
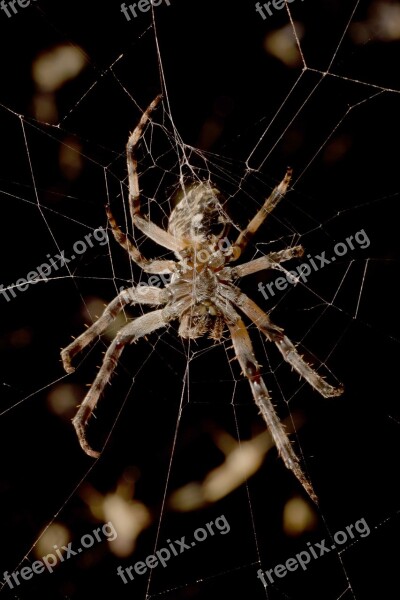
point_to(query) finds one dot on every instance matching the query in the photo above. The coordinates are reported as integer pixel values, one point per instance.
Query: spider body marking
(199, 217)
(202, 295)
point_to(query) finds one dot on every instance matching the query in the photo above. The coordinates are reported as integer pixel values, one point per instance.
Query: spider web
(314, 87)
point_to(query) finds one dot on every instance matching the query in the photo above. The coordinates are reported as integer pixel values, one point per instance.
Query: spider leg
(134, 191)
(134, 330)
(285, 346)
(149, 266)
(128, 334)
(152, 231)
(142, 294)
(245, 355)
(270, 261)
(276, 195)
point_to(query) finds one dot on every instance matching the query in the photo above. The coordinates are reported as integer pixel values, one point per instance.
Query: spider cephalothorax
(202, 294)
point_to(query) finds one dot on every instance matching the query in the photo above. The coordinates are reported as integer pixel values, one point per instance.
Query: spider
(201, 295)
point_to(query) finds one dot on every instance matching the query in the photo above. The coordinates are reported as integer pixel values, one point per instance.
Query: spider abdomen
(199, 217)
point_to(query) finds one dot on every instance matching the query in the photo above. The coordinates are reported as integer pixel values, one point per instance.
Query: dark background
(219, 77)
